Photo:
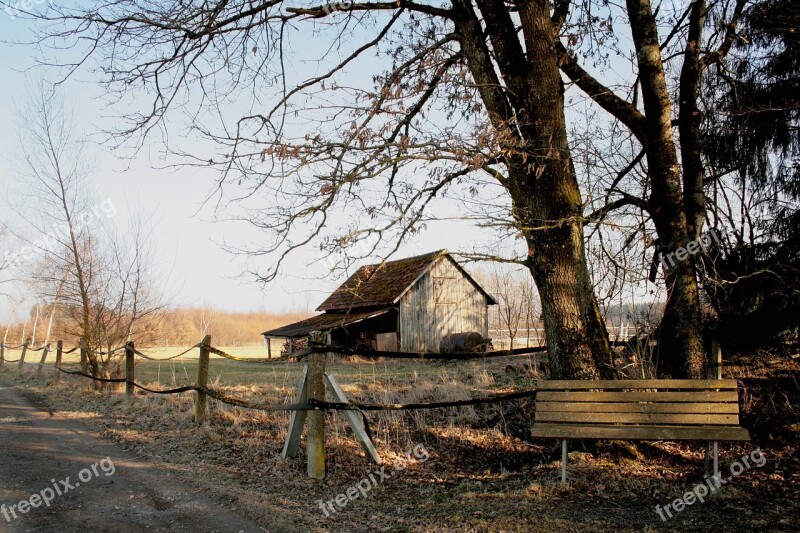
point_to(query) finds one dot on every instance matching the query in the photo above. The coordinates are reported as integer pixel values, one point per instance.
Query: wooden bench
(646, 409)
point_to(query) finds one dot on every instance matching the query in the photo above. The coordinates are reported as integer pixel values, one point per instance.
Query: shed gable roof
(385, 283)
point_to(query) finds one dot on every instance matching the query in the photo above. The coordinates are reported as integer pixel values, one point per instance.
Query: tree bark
(689, 122)
(680, 352)
(545, 195)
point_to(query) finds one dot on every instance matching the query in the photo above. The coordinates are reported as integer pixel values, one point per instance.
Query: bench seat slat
(578, 431)
(639, 418)
(638, 396)
(638, 407)
(661, 384)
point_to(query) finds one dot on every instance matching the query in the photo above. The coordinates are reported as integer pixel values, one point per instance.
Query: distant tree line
(169, 327)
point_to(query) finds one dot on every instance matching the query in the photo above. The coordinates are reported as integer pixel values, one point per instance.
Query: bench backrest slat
(726, 408)
(639, 409)
(638, 396)
(639, 418)
(660, 384)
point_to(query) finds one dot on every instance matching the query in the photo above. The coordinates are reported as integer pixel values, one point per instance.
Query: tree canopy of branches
(467, 104)
(463, 102)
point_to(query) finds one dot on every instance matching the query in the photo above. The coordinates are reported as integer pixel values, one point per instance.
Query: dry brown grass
(484, 473)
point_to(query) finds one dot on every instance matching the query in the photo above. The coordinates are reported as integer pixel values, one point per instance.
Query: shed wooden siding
(443, 301)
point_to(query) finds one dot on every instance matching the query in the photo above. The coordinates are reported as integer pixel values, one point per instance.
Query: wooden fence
(310, 402)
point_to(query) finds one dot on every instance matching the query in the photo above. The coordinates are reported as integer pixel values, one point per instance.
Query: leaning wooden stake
(24, 351)
(201, 400)
(129, 369)
(59, 354)
(45, 350)
(297, 418)
(353, 419)
(316, 419)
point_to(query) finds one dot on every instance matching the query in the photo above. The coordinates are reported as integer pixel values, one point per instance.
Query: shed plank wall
(443, 301)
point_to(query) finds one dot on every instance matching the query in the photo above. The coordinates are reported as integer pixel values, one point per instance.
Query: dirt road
(44, 454)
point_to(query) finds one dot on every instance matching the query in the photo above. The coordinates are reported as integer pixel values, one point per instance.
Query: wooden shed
(407, 305)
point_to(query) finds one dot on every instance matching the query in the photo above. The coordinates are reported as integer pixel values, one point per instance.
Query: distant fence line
(535, 335)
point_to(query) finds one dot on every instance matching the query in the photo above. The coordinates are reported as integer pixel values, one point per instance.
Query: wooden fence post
(24, 350)
(129, 371)
(201, 400)
(316, 418)
(2, 353)
(59, 353)
(45, 350)
(84, 358)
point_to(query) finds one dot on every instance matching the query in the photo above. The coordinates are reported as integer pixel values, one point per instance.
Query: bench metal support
(716, 458)
(564, 461)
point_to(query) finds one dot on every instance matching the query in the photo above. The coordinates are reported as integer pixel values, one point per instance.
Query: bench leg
(716, 458)
(564, 461)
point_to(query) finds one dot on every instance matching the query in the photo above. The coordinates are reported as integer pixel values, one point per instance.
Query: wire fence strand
(313, 405)
(150, 358)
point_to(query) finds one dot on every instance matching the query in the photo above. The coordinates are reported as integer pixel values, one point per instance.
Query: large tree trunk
(577, 341)
(680, 352)
(541, 181)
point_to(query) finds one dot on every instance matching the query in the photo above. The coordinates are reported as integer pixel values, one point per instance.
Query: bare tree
(99, 278)
(517, 307)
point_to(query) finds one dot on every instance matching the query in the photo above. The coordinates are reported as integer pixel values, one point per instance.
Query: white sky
(198, 271)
